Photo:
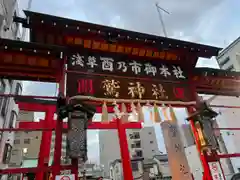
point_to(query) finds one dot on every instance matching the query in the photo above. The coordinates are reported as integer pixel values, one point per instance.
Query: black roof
(119, 34)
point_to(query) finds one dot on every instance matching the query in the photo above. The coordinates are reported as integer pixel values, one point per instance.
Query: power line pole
(159, 9)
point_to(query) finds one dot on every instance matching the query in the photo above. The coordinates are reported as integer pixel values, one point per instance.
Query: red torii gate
(48, 125)
(44, 60)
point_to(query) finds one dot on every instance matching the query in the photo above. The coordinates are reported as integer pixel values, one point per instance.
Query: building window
(134, 166)
(13, 119)
(2, 91)
(139, 153)
(151, 142)
(224, 62)
(116, 169)
(2, 86)
(138, 144)
(27, 141)
(17, 141)
(149, 133)
(18, 89)
(7, 153)
(230, 68)
(135, 135)
(5, 106)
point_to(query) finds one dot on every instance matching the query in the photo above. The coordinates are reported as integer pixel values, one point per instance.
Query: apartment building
(155, 168)
(26, 144)
(142, 143)
(229, 58)
(8, 28)
(8, 117)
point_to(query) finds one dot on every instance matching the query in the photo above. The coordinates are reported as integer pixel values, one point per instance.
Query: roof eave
(209, 50)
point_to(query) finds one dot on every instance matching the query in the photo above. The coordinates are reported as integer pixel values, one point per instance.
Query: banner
(95, 62)
(216, 171)
(177, 159)
(126, 88)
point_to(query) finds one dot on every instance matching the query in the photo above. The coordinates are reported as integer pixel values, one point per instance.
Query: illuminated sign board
(115, 76)
(118, 48)
(95, 44)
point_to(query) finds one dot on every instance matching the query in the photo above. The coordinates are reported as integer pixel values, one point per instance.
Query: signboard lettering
(121, 65)
(123, 88)
(216, 170)
(176, 155)
(85, 86)
(65, 177)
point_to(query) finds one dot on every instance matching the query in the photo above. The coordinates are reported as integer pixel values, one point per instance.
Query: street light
(78, 113)
(203, 121)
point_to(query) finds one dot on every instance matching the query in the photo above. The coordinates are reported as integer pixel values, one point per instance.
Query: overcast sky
(213, 22)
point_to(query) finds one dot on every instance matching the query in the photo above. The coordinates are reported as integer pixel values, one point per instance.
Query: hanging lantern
(77, 135)
(200, 134)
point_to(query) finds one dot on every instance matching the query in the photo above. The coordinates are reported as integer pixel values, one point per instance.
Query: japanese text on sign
(119, 65)
(216, 170)
(121, 88)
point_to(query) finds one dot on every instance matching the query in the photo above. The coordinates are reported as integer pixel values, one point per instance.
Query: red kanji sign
(214, 167)
(65, 178)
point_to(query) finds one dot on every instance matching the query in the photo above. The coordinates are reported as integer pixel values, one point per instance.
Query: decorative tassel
(105, 113)
(172, 114)
(124, 116)
(117, 112)
(157, 117)
(151, 115)
(134, 112)
(140, 113)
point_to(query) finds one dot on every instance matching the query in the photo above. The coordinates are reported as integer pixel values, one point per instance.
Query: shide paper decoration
(104, 113)
(157, 117)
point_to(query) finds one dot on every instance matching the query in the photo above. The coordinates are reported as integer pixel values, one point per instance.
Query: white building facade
(157, 168)
(229, 118)
(8, 107)
(142, 143)
(8, 116)
(229, 59)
